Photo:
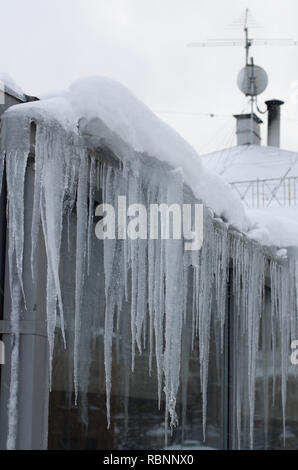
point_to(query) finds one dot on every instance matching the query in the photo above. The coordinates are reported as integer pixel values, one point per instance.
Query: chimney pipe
(273, 108)
(248, 129)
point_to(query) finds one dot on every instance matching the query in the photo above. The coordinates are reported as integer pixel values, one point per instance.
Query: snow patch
(270, 229)
(11, 85)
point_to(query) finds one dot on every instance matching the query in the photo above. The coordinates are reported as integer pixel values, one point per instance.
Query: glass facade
(136, 420)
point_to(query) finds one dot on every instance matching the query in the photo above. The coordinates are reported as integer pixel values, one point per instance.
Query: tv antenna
(252, 79)
(248, 21)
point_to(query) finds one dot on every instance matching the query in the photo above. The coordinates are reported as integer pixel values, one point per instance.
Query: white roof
(250, 162)
(11, 86)
(277, 225)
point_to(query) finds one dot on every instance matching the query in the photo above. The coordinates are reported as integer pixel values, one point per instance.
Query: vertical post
(33, 387)
(227, 377)
(289, 191)
(2, 254)
(273, 137)
(247, 43)
(231, 366)
(252, 90)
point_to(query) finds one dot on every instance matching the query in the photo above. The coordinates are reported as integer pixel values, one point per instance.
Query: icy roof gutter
(109, 148)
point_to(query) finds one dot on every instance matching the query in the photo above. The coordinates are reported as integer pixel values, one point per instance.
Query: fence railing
(262, 193)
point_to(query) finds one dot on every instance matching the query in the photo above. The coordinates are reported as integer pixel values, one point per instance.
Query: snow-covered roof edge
(122, 113)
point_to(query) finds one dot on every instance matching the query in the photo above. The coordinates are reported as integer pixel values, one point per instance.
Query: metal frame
(261, 193)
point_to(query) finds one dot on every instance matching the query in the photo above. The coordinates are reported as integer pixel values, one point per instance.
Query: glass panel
(268, 422)
(136, 421)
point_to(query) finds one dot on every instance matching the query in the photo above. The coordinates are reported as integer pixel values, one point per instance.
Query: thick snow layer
(9, 83)
(271, 229)
(141, 129)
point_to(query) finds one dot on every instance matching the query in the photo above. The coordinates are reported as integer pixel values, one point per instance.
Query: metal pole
(33, 388)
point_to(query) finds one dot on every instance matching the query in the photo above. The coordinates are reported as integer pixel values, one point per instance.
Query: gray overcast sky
(47, 44)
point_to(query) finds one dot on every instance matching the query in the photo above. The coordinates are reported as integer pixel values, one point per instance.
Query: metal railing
(262, 193)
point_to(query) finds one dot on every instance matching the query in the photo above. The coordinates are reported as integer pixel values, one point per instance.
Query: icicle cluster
(151, 275)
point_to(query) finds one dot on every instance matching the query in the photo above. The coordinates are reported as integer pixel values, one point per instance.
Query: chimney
(273, 108)
(248, 129)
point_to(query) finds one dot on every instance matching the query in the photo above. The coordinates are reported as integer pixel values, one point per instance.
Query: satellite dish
(252, 80)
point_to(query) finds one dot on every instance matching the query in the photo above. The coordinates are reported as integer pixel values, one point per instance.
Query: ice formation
(72, 162)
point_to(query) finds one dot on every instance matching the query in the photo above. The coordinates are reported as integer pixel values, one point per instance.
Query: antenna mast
(247, 41)
(252, 79)
(248, 21)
